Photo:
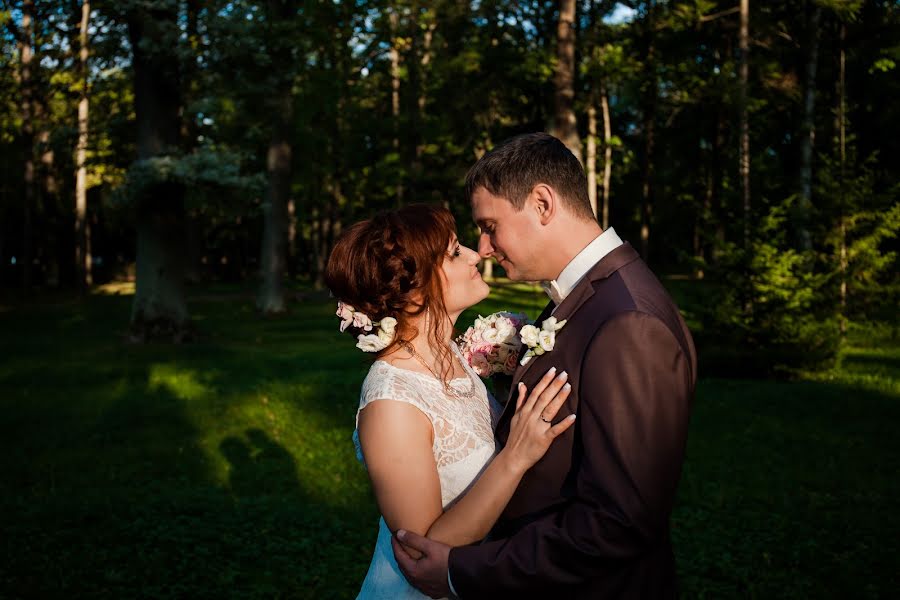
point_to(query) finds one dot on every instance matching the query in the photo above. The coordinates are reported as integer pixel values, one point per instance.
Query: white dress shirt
(583, 262)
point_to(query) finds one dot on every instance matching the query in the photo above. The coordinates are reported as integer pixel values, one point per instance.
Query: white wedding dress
(463, 446)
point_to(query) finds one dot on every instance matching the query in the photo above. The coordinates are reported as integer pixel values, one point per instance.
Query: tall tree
(842, 157)
(565, 125)
(25, 40)
(809, 127)
(159, 308)
(591, 158)
(650, 99)
(393, 18)
(607, 154)
(275, 210)
(82, 226)
(744, 117)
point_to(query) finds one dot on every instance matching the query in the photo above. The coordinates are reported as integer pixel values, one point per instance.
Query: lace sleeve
(386, 383)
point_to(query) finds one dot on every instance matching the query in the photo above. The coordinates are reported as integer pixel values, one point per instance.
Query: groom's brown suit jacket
(591, 519)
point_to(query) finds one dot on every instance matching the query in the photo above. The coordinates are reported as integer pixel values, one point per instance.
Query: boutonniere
(540, 340)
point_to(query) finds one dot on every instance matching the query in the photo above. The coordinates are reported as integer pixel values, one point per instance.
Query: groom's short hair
(512, 169)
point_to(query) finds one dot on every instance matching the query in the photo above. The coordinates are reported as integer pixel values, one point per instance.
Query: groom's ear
(546, 203)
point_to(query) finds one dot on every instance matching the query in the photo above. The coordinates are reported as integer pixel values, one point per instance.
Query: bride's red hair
(390, 266)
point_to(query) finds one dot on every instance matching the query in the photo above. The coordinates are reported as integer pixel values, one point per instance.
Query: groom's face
(510, 236)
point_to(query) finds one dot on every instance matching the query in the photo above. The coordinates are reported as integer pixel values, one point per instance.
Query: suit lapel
(517, 376)
(608, 265)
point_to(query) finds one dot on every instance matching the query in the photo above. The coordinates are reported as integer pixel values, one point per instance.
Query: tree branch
(723, 13)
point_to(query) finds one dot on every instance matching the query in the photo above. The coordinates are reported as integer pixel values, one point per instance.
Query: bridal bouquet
(491, 346)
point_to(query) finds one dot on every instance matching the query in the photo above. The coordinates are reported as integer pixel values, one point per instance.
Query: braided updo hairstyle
(390, 266)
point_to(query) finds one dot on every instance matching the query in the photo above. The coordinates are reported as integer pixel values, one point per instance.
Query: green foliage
(206, 167)
(769, 311)
(865, 223)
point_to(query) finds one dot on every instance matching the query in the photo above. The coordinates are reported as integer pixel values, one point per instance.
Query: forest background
(178, 171)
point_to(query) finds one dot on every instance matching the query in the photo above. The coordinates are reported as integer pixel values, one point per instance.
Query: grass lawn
(224, 468)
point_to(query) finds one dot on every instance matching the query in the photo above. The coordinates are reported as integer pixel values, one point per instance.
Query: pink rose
(482, 348)
(362, 321)
(480, 365)
(345, 312)
(510, 364)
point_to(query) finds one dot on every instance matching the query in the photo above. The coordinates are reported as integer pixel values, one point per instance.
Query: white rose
(505, 330)
(529, 335)
(551, 324)
(490, 335)
(371, 343)
(547, 340)
(388, 325)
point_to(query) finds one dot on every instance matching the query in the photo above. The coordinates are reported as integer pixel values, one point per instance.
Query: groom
(591, 519)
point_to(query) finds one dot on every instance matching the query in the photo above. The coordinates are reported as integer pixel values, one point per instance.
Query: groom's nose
(484, 245)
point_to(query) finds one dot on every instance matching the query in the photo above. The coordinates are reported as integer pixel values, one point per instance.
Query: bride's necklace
(467, 395)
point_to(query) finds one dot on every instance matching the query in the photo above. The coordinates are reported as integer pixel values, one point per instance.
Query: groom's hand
(429, 573)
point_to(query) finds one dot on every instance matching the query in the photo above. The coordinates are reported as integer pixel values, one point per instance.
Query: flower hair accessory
(540, 340)
(372, 342)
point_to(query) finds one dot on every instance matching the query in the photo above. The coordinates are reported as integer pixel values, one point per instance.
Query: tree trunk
(292, 237)
(607, 153)
(275, 211)
(650, 101)
(565, 125)
(842, 140)
(809, 132)
(487, 269)
(414, 128)
(82, 225)
(159, 308)
(592, 157)
(26, 55)
(273, 259)
(715, 198)
(744, 154)
(395, 93)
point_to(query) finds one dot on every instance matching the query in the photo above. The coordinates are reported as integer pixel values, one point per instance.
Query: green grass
(224, 468)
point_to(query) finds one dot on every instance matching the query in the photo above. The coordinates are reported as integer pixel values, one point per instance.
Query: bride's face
(463, 285)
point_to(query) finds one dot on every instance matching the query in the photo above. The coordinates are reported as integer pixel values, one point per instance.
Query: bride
(424, 428)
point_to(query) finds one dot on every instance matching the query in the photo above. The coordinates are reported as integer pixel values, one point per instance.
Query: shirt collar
(578, 267)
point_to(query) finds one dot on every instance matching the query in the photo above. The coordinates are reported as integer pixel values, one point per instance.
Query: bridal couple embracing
(564, 489)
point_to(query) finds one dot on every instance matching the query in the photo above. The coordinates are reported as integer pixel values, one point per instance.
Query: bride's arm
(397, 443)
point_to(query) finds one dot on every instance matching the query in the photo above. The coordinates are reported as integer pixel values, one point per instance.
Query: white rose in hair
(371, 343)
(388, 325)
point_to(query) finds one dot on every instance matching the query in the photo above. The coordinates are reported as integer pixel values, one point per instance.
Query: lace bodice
(463, 446)
(463, 428)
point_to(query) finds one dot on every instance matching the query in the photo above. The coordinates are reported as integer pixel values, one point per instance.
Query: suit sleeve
(635, 387)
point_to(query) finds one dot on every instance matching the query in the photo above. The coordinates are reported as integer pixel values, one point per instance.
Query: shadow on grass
(221, 469)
